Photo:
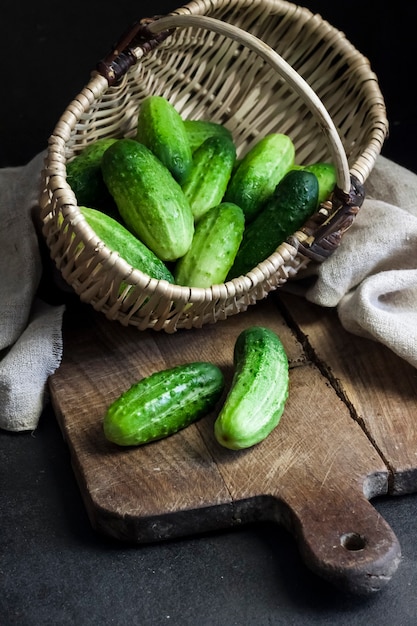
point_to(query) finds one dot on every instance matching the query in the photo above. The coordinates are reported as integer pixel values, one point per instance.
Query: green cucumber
(163, 403)
(150, 201)
(200, 130)
(259, 172)
(294, 200)
(256, 399)
(131, 249)
(209, 176)
(161, 129)
(215, 243)
(85, 178)
(326, 176)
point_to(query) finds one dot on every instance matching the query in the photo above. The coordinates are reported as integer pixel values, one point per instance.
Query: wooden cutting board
(348, 434)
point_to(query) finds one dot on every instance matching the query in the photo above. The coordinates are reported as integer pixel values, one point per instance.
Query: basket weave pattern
(207, 75)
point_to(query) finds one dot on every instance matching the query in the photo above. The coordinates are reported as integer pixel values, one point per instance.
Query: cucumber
(150, 201)
(85, 178)
(208, 178)
(215, 244)
(200, 130)
(326, 176)
(161, 129)
(163, 403)
(259, 172)
(256, 399)
(130, 248)
(294, 199)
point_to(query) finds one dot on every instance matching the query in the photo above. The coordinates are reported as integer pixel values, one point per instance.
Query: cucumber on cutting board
(163, 403)
(259, 390)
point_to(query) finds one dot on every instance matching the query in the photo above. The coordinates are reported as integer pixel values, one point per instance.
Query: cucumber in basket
(215, 243)
(161, 128)
(150, 201)
(259, 172)
(293, 201)
(200, 130)
(163, 403)
(131, 249)
(326, 176)
(85, 178)
(256, 399)
(209, 176)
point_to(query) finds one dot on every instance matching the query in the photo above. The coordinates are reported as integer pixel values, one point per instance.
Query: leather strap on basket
(122, 56)
(324, 230)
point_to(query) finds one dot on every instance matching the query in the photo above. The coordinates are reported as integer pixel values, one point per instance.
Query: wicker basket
(256, 66)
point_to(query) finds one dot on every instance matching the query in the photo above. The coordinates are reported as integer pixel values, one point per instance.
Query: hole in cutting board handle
(353, 541)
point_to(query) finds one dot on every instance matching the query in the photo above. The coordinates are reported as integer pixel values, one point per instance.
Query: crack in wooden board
(315, 473)
(379, 387)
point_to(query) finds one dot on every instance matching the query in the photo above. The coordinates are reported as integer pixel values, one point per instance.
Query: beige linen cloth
(30, 329)
(371, 279)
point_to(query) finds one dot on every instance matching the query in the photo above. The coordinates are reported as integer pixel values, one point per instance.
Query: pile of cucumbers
(176, 203)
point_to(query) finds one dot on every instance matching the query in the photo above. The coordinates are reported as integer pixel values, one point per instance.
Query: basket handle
(152, 31)
(332, 220)
(300, 86)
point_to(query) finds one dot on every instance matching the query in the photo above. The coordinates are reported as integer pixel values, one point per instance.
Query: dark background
(47, 54)
(53, 568)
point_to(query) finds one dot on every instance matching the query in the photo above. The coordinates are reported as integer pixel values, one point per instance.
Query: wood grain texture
(379, 387)
(315, 473)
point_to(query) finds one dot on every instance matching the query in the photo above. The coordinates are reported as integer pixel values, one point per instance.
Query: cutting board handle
(350, 545)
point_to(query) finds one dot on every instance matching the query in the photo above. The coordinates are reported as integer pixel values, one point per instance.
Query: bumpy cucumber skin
(85, 178)
(200, 130)
(131, 249)
(161, 128)
(150, 201)
(209, 176)
(326, 176)
(163, 403)
(259, 172)
(216, 241)
(256, 399)
(294, 199)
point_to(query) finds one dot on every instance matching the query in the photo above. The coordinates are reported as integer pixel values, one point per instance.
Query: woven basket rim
(180, 293)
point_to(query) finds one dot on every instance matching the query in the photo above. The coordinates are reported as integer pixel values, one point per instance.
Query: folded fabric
(372, 277)
(30, 330)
